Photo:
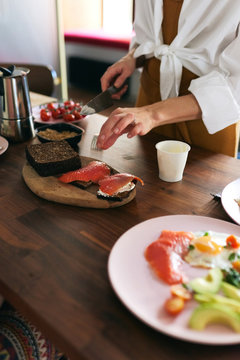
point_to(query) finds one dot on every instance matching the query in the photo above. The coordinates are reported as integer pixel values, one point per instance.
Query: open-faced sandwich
(59, 159)
(111, 187)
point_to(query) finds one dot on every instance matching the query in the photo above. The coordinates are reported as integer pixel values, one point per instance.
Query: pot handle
(7, 71)
(1, 87)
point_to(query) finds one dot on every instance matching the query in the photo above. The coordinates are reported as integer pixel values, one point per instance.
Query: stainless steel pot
(16, 120)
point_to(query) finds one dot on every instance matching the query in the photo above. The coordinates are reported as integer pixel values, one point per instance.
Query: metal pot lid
(13, 71)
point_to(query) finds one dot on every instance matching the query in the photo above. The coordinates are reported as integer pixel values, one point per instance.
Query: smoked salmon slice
(178, 241)
(111, 185)
(94, 171)
(165, 255)
(164, 262)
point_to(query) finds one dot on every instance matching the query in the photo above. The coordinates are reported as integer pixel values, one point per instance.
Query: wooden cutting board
(50, 188)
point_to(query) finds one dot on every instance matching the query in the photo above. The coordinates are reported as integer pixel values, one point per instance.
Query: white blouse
(207, 44)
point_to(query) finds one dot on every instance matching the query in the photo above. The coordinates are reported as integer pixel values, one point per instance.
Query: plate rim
(223, 201)
(195, 338)
(5, 145)
(51, 122)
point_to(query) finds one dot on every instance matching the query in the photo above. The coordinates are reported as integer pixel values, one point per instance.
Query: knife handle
(113, 89)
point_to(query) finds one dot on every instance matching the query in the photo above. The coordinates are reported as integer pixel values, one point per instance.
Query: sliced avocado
(215, 298)
(230, 290)
(213, 313)
(209, 284)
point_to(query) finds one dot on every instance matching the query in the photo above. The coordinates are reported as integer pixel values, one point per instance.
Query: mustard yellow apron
(194, 132)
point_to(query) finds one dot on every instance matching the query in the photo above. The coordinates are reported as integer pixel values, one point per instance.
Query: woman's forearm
(175, 110)
(140, 120)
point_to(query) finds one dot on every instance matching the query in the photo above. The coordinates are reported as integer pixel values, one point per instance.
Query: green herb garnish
(232, 256)
(232, 276)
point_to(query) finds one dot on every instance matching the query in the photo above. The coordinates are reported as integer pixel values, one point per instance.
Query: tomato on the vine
(62, 109)
(70, 107)
(68, 117)
(45, 114)
(69, 103)
(77, 115)
(51, 106)
(56, 113)
(67, 110)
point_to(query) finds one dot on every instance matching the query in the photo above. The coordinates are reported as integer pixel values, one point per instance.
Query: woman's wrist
(182, 108)
(139, 61)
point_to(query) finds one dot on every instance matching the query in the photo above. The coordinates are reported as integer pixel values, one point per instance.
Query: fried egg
(209, 250)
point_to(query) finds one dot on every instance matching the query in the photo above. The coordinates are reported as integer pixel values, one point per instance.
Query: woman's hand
(140, 120)
(117, 73)
(130, 121)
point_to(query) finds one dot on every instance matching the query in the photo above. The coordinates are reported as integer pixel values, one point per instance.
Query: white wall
(29, 33)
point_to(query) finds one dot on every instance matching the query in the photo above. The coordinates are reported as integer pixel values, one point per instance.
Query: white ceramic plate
(3, 145)
(230, 193)
(144, 294)
(37, 117)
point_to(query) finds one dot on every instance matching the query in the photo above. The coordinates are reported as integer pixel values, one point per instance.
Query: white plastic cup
(172, 157)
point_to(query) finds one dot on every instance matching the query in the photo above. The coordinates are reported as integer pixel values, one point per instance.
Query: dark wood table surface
(53, 257)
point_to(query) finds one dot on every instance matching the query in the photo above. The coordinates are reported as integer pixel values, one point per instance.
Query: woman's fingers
(130, 121)
(124, 120)
(116, 125)
(118, 95)
(107, 143)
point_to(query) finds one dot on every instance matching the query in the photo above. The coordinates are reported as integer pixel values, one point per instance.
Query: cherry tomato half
(174, 305)
(179, 291)
(232, 242)
(236, 265)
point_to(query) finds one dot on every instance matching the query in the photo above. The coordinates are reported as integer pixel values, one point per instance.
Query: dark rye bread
(52, 158)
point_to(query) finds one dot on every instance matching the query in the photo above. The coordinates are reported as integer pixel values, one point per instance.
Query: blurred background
(77, 39)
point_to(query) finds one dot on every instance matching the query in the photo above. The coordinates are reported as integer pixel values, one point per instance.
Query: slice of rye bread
(53, 158)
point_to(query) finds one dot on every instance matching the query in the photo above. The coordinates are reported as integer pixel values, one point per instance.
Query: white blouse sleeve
(218, 93)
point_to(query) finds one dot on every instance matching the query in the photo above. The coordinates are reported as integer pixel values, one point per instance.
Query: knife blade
(101, 102)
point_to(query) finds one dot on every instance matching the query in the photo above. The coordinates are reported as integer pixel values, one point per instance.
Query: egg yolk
(206, 245)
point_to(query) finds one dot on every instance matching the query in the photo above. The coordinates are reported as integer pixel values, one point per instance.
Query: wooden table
(53, 258)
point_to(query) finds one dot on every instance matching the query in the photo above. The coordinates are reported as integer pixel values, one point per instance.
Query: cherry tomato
(70, 107)
(43, 110)
(45, 114)
(174, 305)
(68, 117)
(77, 115)
(62, 109)
(180, 291)
(69, 103)
(236, 265)
(232, 242)
(50, 106)
(56, 113)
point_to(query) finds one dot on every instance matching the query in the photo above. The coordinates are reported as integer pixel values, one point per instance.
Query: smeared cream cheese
(130, 186)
